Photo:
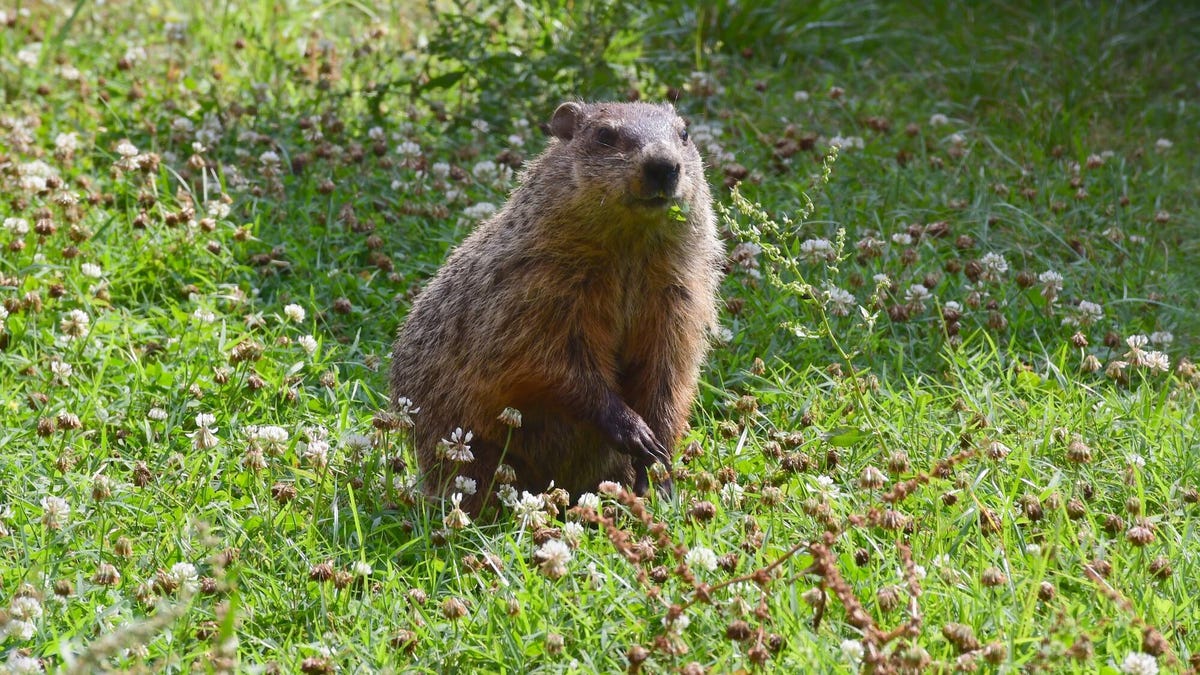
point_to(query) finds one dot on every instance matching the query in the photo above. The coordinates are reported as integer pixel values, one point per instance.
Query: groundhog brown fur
(586, 303)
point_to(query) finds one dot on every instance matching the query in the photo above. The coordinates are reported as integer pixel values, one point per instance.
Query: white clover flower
(66, 142)
(75, 324)
(17, 226)
(408, 150)
(800, 96)
(91, 270)
(572, 532)
(156, 414)
(360, 568)
(294, 313)
(853, 651)
(552, 558)
(825, 488)
(184, 574)
(308, 343)
(529, 511)
(731, 494)
(479, 211)
(902, 238)
(126, 149)
(840, 301)
(269, 158)
(677, 626)
(1162, 337)
(1156, 361)
(3, 316)
(457, 448)
(205, 419)
(204, 315)
(481, 126)
(28, 55)
(994, 266)
(1139, 663)
(54, 511)
(61, 371)
(938, 119)
(1163, 145)
(465, 485)
(916, 296)
(25, 608)
(440, 170)
(376, 134)
(1137, 341)
(1052, 283)
(1087, 314)
(204, 437)
(701, 557)
(814, 250)
(22, 630)
(589, 500)
(18, 663)
(316, 452)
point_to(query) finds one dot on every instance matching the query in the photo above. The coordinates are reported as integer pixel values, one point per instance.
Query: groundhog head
(636, 155)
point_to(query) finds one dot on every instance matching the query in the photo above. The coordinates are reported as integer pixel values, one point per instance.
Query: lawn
(949, 422)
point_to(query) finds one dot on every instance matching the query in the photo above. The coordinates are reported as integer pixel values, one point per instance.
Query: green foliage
(949, 420)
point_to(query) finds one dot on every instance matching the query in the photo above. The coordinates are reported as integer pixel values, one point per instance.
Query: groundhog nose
(662, 175)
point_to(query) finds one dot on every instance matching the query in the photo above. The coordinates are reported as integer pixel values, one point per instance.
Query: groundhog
(586, 303)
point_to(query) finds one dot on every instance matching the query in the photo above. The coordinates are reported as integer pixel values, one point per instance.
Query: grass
(225, 211)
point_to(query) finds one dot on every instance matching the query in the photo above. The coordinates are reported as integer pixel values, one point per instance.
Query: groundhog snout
(660, 177)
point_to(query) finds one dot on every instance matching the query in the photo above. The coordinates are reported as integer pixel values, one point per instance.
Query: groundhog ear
(566, 120)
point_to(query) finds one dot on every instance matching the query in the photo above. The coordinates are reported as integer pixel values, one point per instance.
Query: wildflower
(61, 371)
(465, 485)
(552, 558)
(308, 343)
(510, 417)
(479, 211)
(156, 414)
(204, 438)
(572, 533)
(204, 315)
(91, 270)
(457, 448)
(852, 651)
(814, 250)
(404, 412)
(273, 440)
(19, 664)
(825, 488)
(732, 494)
(678, 624)
(902, 238)
(529, 511)
(440, 170)
(916, 296)
(1156, 361)
(17, 226)
(361, 569)
(840, 300)
(294, 313)
(1139, 663)
(701, 557)
(408, 150)
(589, 500)
(1052, 283)
(1162, 337)
(994, 265)
(938, 119)
(269, 159)
(75, 324)
(316, 452)
(54, 511)
(1162, 145)
(456, 519)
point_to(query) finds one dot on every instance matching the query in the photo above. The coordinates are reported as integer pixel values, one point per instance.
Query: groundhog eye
(607, 136)
(683, 136)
